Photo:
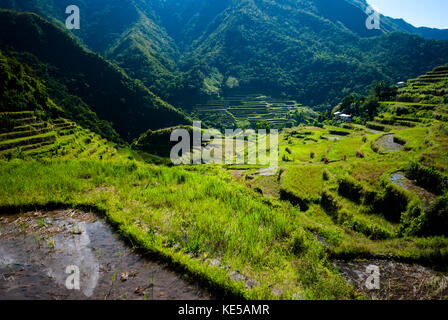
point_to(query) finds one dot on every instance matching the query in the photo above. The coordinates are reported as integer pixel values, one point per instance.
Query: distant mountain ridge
(314, 51)
(391, 24)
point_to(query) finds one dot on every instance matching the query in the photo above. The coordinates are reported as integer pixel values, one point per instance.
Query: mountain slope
(313, 51)
(32, 125)
(278, 47)
(110, 93)
(389, 24)
(125, 31)
(23, 91)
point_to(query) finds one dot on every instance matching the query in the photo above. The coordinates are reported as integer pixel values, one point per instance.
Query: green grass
(203, 211)
(332, 199)
(356, 229)
(304, 182)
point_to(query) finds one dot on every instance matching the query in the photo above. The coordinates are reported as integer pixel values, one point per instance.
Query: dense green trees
(385, 92)
(365, 108)
(313, 51)
(21, 89)
(262, 125)
(83, 83)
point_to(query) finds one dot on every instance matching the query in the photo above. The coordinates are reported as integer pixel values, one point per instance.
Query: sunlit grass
(204, 213)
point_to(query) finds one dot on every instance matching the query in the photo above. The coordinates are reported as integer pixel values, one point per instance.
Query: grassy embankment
(187, 217)
(335, 183)
(341, 178)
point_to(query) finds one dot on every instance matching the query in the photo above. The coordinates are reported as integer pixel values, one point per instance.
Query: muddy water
(388, 144)
(42, 255)
(396, 281)
(425, 196)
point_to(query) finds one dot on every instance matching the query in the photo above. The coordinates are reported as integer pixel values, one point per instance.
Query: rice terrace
(352, 205)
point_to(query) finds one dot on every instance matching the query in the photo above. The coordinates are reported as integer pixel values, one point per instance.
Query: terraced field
(437, 75)
(374, 190)
(23, 135)
(344, 195)
(250, 108)
(431, 88)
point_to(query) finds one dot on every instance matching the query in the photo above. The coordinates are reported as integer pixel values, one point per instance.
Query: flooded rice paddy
(401, 181)
(395, 281)
(388, 144)
(42, 255)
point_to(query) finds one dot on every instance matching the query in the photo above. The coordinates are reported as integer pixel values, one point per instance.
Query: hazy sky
(420, 13)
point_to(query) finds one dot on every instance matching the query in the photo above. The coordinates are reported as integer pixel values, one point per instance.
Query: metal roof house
(342, 116)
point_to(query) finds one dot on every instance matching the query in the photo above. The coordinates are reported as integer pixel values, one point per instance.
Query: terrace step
(11, 144)
(377, 126)
(442, 68)
(18, 115)
(36, 126)
(65, 125)
(68, 131)
(23, 134)
(59, 121)
(93, 150)
(434, 75)
(430, 80)
(29, 148)
(29, 120)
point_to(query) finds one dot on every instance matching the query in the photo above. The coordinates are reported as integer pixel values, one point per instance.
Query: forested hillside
(22, 90)
(285, 49)
(355, 180)
(189, 50)
(81, 82)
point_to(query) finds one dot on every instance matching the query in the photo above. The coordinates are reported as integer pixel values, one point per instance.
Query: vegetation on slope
(21, 89)
(281, 48)
(341, 200)
(24, 91)
(189, 217)
(159, 142)
(102, 86)
(376, 187)
(313, 51)
(382, 185)
(251, 111)
(192, 218)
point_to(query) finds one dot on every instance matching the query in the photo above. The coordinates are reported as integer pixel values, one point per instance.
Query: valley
(314, 52)
(341, 193)
(86, 133)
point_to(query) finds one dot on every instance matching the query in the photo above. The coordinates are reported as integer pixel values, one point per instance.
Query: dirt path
(39, 251)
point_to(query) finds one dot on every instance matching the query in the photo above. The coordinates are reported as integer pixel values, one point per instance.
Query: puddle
(388, 144)
(425, 196)
(397, 281)
(40, 252)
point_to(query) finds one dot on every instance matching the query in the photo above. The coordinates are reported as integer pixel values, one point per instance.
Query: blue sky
(420, 13)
